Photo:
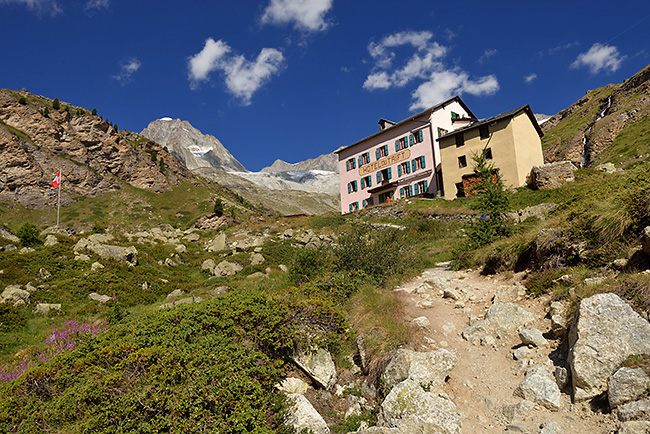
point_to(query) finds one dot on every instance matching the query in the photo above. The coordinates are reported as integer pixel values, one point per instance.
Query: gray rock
(540, 388)
(634, 427)
(99, 298)
(626, 385)
(556, 308)
(509, 293)
(558, 325)
(45, 308)
(422, 321)
(531, 336)
(452, 293)
(44, 274)
(318, 365)
(50, 240)
(521, 353)
(428, 369)
(475, 332)
(96, 266)
(379, 430)
(412, 410)
(225, 268)
(15, 295)
(257, 259)
(95, 243)
(26, 250)
(363, 355)
(256, 275)
(208, 265)
(606, 168)
(605, 332)
(517, 411)
(508, 316)
(292, 385)
(635, 410)
(283, 268)
(82, 257)
(9, 236)
(175, 294)
(302, 416)
(217, 243)
(186, 300)
(561, 375)
(551, 428)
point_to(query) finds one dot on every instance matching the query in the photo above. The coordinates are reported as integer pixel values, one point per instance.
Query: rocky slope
(37, 140)
(191, 146)
(598, 127)
(325, 162)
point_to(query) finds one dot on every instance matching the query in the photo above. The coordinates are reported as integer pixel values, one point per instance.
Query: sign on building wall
(396, 158)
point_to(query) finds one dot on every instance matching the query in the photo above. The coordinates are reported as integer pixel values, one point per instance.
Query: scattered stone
(451, 293)
(634, 427)
(561, 375)
(509, 293)
(175, 293)
(217, 243)
(520, 410)
(186, 300)
(540, 388)
(283, 268)
(192, 238)
(558, 325)
(620, 263)
(225, 268)
(521, 353)
(96, 266)
(293, 385)
(257, 259)
(556, 308)
(551, 428)
(82, 257)
(412, 410)
(515, 428)
(44, 274)
(256, 275)
(422, 321)
(606, 331)
(426, 369)
(593, 281)
(606, 168)
(318, 365)
(626, 385)
(531, 336)
(363, 355)
(26, 250)
(9, 236)
(15, 295)
(99, 298)
(488, 341)
(302, 416)
(635, 410)
(208, 265)
(50, 240)
(508, 316)
(95, 243)
(45, 308)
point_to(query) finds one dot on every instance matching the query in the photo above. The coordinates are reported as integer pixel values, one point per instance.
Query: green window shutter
(369, 181)
(390, 174)
(350, 207)
(411, 139)
(413, 166)
(347, 165)
(417, 189)
(349, 188)
(363, 203)
(410, 190)
(378, 177)
(360, 161)
(401, 192)
(396, 145)
(386, 149)
(426, 186)
(371, 201)
(421, 136)
(399, 170)
(408, 167)
(422, 160)
(363, 184)
(377, 153)
(355, 185)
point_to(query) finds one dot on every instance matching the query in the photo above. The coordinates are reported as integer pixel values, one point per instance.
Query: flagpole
(58, 205)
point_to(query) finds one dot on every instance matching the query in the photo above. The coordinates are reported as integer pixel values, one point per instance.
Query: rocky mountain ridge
(39, 137)
(191, 146)
(583, 132)
(325, 162)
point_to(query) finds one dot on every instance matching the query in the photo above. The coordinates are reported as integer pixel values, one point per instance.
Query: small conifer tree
(218, 207)
(94, 112)
(22, 100)
(56, 104)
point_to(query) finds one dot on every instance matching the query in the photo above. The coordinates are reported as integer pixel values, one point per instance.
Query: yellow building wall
(516, 148)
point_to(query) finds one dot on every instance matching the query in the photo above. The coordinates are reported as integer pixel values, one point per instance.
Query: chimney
(385, 123)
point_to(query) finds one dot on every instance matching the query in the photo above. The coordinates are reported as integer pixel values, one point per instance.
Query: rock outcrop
(427, 369)
(318, 364)
(96, 243)
(552, 175)
(604, 333)
(302, 416)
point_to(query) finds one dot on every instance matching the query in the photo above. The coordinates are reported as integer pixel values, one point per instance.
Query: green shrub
(94, 112)
(22, 100)
(11, 318)
(218, 207)
(56, 104)
(29, 235)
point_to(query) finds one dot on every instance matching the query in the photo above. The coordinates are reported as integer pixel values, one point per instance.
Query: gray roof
(411, 118)
(504, 115)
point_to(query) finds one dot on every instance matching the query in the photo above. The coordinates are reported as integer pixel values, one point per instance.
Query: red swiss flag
(57, 180)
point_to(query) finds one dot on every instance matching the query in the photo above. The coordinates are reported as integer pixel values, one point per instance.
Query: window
(454, 116)
(460, 140)
(384, 175)
(382, 151)
(368, 202)
(421, 187)
(402, 143)
(354, 206)
(404, 168)
(364, 159)
(441, 132)
(366, 182)
(418, 137)
(352, 186)
(484, 131)
(406, 191)
(350, 164)
(460, 190)
(417, 163)
(385, 197)
(462, 161)
(488, 154)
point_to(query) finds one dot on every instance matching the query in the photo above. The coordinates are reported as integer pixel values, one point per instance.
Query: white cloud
(530, 78)
(443, 85)
(127, 68)
(554, 50)
(242, 77)
(425, 66)
(40, 7)
(306, 15)
(93, 5)
(599, 57)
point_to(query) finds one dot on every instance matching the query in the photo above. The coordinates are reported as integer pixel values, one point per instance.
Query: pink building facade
(401, 160)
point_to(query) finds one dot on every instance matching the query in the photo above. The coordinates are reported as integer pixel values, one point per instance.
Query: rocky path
(446, 304)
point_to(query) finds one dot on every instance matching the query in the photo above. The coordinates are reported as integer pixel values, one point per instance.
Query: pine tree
(56, 104)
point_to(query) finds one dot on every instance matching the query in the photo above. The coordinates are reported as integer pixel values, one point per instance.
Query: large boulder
(96, 243)
(226, 268)
(318, 364)
(539, 387)
(500, 316)
(604, 333)
(302, 416)
(412, 410)
(218, 243)
(552, 175)
(15, 295)
(427, 369)
(626, 385)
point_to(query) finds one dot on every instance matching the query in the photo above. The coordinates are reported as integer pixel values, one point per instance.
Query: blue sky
(293, 79)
